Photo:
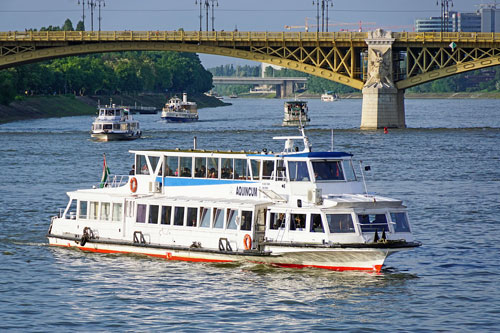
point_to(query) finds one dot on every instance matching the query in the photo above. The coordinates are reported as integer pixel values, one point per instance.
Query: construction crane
(306, 27)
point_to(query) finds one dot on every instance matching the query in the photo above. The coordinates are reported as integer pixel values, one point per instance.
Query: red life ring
(247, 242)
(133, 184)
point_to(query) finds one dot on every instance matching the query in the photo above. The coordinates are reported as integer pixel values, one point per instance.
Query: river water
(445, 166)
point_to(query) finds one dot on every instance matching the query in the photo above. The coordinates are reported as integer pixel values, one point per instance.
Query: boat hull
(179, 119)
(338, 259)
(115, 136)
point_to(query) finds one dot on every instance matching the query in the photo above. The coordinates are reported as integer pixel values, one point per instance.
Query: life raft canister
(133, 184)
(247, 242)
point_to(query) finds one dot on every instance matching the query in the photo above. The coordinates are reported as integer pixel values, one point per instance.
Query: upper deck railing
(237, 36)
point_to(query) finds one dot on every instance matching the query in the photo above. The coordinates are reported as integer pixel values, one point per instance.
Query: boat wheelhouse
(114, 123)
(290, 209)
(177, 110)
(295, 113)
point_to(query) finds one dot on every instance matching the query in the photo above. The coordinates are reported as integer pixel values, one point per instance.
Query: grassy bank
(32, 107)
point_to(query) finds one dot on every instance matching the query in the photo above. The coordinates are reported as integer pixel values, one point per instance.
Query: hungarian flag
(105, 173)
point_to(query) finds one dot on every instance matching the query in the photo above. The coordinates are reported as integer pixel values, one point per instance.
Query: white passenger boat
(177, 110)
(290, 209)
(329, 97)
(114, 123)
(296, 113)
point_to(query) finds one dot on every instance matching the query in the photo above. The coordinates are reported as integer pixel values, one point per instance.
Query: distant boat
(233, 96)
(177, 110)
(114, 123)
(295, 113)
(329, 97)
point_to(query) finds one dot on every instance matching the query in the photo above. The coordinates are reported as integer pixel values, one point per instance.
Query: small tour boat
(177, 110)
(290, 209)
(114, 123)
(295, 113)
(329, 97)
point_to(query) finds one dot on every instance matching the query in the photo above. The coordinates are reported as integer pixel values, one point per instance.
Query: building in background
(485, 19)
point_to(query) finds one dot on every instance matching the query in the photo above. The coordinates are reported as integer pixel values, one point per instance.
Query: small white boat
(177, 110)
(296, 113)
(329, 97)
(290, 209)
(114, 123)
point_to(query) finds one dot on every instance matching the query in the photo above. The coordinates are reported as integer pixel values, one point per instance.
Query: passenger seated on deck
(132, 171)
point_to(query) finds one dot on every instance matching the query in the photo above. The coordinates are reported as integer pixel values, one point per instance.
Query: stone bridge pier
(383, 103)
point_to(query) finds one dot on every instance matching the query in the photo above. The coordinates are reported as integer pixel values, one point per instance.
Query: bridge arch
(31, 56)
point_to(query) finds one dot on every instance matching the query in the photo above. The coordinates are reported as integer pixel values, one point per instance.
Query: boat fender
(247, 242)
(86, 235)
(133, 184)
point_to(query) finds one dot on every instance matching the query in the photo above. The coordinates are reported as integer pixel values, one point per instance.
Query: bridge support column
(383, 107)
(383, 103)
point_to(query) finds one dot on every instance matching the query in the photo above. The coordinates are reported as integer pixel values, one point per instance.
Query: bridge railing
(62, 36)
(447, 36)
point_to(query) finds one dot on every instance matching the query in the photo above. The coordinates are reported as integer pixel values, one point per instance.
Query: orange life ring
(133, 184)
(247, 242)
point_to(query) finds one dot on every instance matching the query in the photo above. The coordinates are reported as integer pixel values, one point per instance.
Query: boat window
(280, 170)
(340, 223)
(297, 221)
(116, 126)
(153, 160)
(327, 170)
(71, 210)
(350, 175)
(204, 218)
(200, 167)
(241, 169)
(141, 213)
(246, 220)
(232, 214)
(191, 216)
(179, 216)
(316, 223)
(213, 167)
(277, 221)
(105, 211)
(298, 171)
(165, 214)
(153, 214)
(185, 166)
(401, 222)
(218, 218)
(94, 210)
(107, 126)
(255, 169)
(373, 222)
(142, 165)
(82, 214)
(226, 168)
(117, 212)
(172, 168)
(267, 169)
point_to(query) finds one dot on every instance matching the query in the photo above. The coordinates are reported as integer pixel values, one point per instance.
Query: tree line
(106, 73)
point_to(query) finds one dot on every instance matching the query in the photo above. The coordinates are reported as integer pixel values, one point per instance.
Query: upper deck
(282, 176)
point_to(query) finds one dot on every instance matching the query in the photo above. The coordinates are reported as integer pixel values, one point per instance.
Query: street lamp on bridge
(92, 4)
(207, 4)
(324, 9)
(445, 14)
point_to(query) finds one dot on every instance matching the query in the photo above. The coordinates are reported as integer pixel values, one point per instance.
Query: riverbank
(33, 107)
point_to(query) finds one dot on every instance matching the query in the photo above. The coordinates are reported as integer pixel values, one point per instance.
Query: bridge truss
(336, 56)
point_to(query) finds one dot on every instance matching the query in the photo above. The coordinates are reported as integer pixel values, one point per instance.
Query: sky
(255, 15)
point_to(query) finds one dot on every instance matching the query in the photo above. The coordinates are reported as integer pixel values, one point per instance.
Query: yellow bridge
(380, 63)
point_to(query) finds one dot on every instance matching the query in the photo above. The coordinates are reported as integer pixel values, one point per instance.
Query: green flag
(105, 173)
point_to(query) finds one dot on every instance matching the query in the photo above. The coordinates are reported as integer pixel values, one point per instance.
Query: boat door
(129, 216)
